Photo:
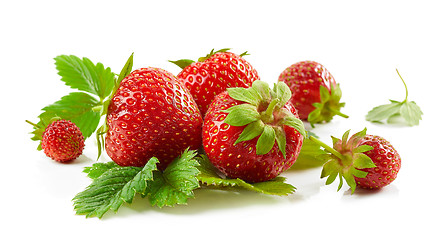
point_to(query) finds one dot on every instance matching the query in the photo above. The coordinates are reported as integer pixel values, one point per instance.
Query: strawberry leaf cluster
(94, 83)
(114, 185)
(408, 110)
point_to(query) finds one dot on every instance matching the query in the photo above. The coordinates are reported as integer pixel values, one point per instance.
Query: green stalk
(326, 147)
(405, 85)
(267, 115)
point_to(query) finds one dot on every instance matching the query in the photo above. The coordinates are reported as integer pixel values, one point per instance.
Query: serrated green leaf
(77, 107)
(176, 184)
(383, 112)
(112, 188)
(411, 113)
(251, 131)
(241, 115)
(97, 169)
(84, 75)
(266, 141)
(208, 176)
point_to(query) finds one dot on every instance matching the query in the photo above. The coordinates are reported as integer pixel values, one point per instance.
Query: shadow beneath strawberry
(390, 190)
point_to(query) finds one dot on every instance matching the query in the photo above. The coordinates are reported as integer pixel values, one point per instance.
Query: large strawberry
(368, 161)
(151, 115)
(315, 94)
(213, 73)
(253, 133)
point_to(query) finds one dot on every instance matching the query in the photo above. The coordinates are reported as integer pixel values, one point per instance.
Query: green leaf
(411, 113)
(182, 63)
(350, 180)
(97, 169)
(241, 115)
(362, 148)
(383, 112)
(296, 124)
(363, 161)
(84, 75)
(176, 184)
(251, 131)
(112, 188)
(282, 92)
(310, 156)
(208, 176)
(77, 107)
(266, 141)
(262, 89)
(126, 70)
(281, 140)
(244, 95)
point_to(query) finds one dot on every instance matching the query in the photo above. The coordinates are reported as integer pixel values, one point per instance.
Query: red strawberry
(315, 93)
(62, 141)
(386, 160)
(367, 160)
(151, 114)
(242, 126)
(212, 74)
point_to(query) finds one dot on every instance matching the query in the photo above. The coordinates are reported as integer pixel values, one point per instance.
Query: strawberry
(212, 74)
(151, 115)
(365, 160)
(242, 126)
(315, 94)
(62, 141)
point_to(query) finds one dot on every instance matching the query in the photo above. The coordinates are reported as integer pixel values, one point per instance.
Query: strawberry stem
(33, 124)
(326, 147)
(405, 85)
(267, 115)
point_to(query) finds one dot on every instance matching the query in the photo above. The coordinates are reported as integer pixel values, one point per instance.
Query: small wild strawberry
(62, 141)
(315, 94)
(368, 161)
(253, 133)
(151, 115)
(213, 73)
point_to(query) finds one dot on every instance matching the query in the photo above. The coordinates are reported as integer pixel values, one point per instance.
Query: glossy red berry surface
(304, 80)
(209, 78)
(62, 141)
(240, 160)
(151, 114)
(386, 159)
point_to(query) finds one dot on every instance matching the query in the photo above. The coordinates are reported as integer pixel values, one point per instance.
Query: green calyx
(40, 128)
(345, 159)
(328, 107)
(263, 115)
(182, 63)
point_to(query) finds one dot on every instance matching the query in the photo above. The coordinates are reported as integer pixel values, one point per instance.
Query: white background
(360, 43)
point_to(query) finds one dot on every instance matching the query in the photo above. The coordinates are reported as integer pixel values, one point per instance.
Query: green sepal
(328, 107)
(282, 92)
(296, 124)
(266, 141)
(241, 115)
(244, 95)
(212, 52)
(251, 131)
(346, 159)
(281, 140)
(183, 63)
